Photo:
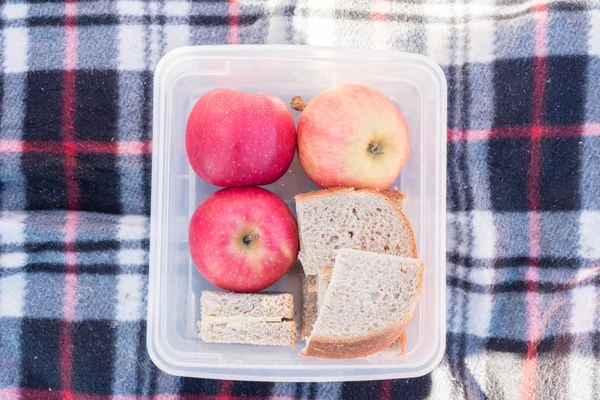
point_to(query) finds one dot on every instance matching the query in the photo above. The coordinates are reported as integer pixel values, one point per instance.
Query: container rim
(283, 52)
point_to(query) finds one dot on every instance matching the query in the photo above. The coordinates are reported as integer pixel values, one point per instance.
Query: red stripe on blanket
(68, 104)
(225, 388)
(11, 393)
(545, 132)
(72, 148)
(69, 305)
(379, 13)
(234, 22)
(68, 134)
(534, 334)
(385, 390)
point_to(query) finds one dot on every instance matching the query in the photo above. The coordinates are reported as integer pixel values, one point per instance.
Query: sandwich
(247, 318)
(323, 279)
(365, 219)
(368, 304)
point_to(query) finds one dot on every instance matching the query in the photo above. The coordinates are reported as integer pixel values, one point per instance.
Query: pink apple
(240, 139)
(352, 136)
(243, 239)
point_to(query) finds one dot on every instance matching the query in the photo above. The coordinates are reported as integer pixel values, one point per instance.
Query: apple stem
(249, 239)
(374, 148)
(298, 104)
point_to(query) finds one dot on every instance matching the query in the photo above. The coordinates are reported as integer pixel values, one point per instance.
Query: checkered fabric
(523, 189)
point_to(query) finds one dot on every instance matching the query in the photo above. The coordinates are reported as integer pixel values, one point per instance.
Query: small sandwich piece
(247, 318)
(368, 305)
(309, 305)
(323, 279)
(365, 219)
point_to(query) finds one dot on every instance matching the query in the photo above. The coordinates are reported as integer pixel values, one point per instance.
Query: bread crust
(323, 347)
(398, 196)
(402, 342)
(309, 305)
(362, 346)
(396, 200)
(306, 329)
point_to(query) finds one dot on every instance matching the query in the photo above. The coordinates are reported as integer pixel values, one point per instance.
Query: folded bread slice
(365, 219)
(315, 287)
(247, 318)
(369, 302)
(323, 279)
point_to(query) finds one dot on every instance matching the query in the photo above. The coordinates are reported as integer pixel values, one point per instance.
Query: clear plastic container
(417, 86)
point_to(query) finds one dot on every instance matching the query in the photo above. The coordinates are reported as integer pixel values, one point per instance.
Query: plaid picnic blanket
(523, 189)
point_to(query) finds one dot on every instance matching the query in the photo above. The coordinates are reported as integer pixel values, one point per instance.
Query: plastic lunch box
(418, 87)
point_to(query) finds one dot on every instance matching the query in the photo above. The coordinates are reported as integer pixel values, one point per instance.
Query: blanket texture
(523, 189)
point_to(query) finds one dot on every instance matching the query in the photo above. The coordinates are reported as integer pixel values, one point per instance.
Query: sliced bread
(257, 333)
(231, 304)
(369, 302)
(364, 219)
(323, 280)
(247, 318)
(309, 305)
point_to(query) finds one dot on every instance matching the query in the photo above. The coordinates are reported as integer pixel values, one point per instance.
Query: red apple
(243, 239)
(240, 139)
(352, 136)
